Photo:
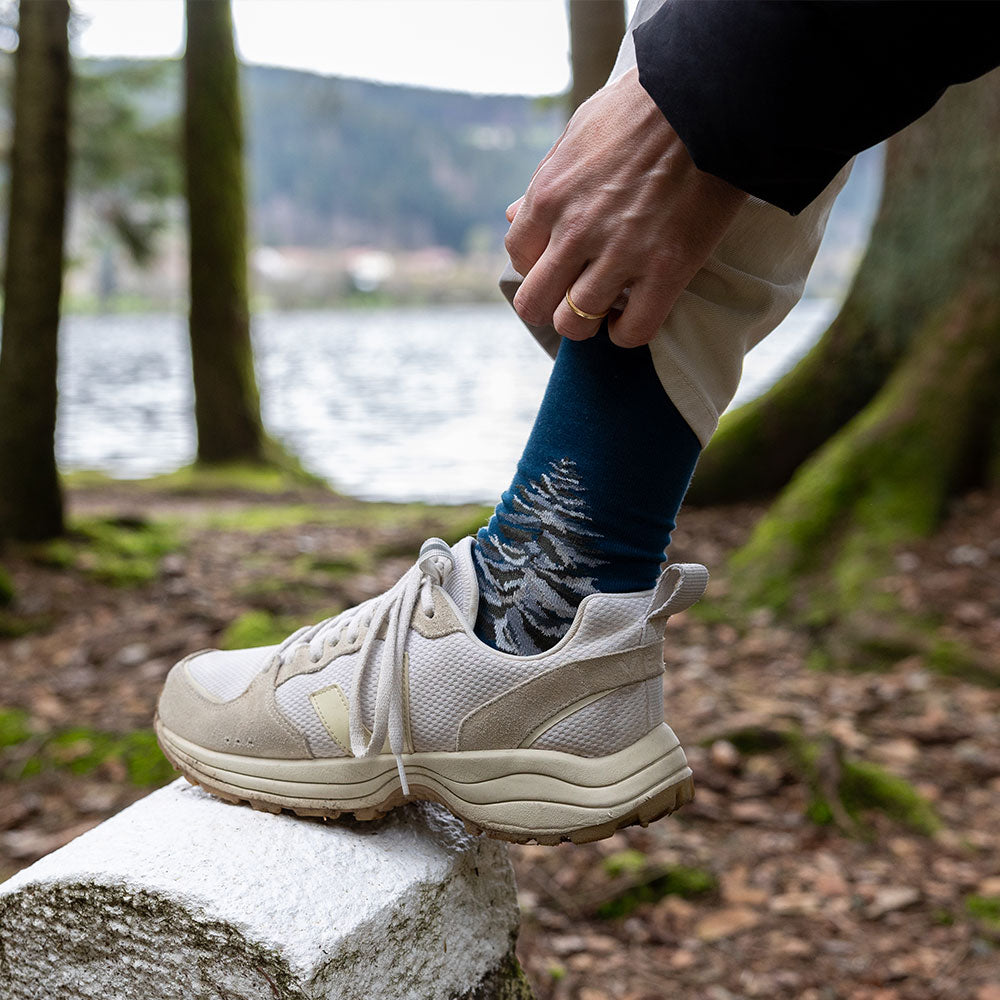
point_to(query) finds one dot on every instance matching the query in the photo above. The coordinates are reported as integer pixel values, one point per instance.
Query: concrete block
(183, 897)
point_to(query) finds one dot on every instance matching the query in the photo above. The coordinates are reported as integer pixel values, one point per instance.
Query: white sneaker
(397, 699)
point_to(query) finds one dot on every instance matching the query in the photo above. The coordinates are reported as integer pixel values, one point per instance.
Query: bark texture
(596, 28)
(227, 405)
(936, 228)
(924, 317)
(31, 505)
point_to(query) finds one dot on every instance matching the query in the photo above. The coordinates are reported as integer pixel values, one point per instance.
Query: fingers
(512, 209)
(594, 292)
(525, 242)
(649, 303)
(545, 285)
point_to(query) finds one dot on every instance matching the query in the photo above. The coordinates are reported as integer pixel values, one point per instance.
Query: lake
(388, 404)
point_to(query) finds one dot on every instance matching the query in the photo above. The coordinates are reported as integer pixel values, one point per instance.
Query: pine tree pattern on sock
(592, 501)
(533, 565)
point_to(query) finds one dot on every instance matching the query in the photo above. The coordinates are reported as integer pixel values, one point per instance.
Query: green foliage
(674, 880)
(122, 552)
(125, 148)
(257, 628)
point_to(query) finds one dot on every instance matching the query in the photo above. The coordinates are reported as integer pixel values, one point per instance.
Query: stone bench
(182, 896)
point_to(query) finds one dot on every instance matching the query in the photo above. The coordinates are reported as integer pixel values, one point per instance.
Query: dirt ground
(845, 837)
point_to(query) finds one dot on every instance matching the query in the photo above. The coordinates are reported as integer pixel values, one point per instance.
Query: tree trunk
(596, 28)
(936, 227)
(925, 315)
(30, 497)
(227, 405)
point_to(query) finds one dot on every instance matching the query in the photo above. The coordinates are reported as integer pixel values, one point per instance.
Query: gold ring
(581, 313)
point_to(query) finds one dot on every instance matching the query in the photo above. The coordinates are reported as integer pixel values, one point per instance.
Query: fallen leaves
(772, 905)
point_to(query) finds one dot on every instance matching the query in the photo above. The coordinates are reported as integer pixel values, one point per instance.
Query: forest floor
(845, 837)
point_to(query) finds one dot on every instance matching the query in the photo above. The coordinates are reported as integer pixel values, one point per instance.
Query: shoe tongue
(461, 584)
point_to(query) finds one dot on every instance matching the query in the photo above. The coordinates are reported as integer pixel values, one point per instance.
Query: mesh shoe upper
(594, 692)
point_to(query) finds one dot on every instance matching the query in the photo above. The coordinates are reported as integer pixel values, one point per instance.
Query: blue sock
(594, 499)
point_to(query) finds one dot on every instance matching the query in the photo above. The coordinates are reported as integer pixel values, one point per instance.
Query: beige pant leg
(746, 288)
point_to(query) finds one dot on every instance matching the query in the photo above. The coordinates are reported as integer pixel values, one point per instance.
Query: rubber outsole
(522, 797)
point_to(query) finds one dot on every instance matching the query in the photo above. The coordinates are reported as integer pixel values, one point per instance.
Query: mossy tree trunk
(31, 505)
(936, 225)
(901, 397)
(596, 28)
(227, 405)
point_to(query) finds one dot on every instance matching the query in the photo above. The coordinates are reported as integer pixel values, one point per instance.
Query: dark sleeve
(775, 96)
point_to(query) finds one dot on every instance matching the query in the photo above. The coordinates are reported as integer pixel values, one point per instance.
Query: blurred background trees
(125, 163)
(30, 496)
(596, 28)
(226, 401)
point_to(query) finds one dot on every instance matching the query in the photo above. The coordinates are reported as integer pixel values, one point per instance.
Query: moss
(506, 981)
(867, 786)
(281, 475)
(6, 589)
(410, 523)
(81, 751)
(985, 909)
(219, 953)
(819, 551)
(719, 612)
(257, 628)
(627, 862)
(756, 739)
(82, 479)
(13, 626)
(122, 552)
(954, 660)
(330, 566)
(819, 659)
(13, 727)
(861, 786)
(276, 594)
(689, 883)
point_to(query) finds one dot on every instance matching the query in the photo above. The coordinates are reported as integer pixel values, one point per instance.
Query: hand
(616, 203)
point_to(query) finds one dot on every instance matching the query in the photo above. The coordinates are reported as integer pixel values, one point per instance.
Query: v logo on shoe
(334, 712)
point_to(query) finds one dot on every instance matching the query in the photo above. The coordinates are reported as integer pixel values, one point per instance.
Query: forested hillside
(350, 161)
(338, 161)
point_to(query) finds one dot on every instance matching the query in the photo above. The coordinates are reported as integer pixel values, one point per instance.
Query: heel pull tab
(679, 586)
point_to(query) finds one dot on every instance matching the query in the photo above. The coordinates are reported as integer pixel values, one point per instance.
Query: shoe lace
(391, 611)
